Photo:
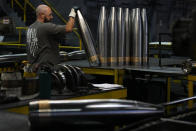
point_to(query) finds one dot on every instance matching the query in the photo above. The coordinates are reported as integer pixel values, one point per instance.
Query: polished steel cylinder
(137, 39)
(144, 37)
(132, 17)
(88, 40)
(102, 36)
(127, 38)
(121, 37)
(112, 24)
(47, 114)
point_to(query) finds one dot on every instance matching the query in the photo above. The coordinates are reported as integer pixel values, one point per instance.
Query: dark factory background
(152, 91)
(161, 13)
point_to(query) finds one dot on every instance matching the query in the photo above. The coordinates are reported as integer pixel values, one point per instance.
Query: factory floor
(10, 121)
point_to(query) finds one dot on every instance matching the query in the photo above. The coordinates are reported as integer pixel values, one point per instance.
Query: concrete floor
(13, 122)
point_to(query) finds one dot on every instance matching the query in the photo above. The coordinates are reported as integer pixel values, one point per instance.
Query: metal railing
(23, 7)
(19, 44)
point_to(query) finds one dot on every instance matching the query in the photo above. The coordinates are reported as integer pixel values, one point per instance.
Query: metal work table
(167, 72)
(191, 79)
(119, 72)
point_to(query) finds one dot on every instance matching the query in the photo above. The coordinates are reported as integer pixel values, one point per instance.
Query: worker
(42, 38)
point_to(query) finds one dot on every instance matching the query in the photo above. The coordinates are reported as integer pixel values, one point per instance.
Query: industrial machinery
(18, 83)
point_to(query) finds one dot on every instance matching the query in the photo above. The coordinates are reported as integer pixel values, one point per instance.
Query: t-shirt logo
(32, 41)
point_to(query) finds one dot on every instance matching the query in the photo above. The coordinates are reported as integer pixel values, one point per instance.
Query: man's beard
(46, 20)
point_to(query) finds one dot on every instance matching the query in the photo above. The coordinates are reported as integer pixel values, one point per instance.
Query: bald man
(43, 36)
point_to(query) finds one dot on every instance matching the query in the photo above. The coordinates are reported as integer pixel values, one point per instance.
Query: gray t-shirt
(42, 43)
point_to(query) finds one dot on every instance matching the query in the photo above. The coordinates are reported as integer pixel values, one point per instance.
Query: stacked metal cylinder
(88, 40)
(123, 37)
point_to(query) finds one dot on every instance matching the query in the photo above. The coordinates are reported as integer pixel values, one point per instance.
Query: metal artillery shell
(121, 37)
(144, 37)
(127, 37)
(132, 17)
(88, 40)
(102, 36)
(50, 114)
(137, 39)
(112, 37)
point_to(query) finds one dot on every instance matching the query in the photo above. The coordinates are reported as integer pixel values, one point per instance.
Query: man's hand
(70, 24)
(76, 8)
(72, 13)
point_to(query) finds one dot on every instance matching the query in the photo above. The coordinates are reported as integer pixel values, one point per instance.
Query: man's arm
(70, 24)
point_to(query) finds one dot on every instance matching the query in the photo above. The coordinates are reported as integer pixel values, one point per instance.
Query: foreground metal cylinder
(88, 40)
(127, 38)
(112, 24)
(89, 112)
(102, 36)
(121, 37)
(137, 39)
(144, 37)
